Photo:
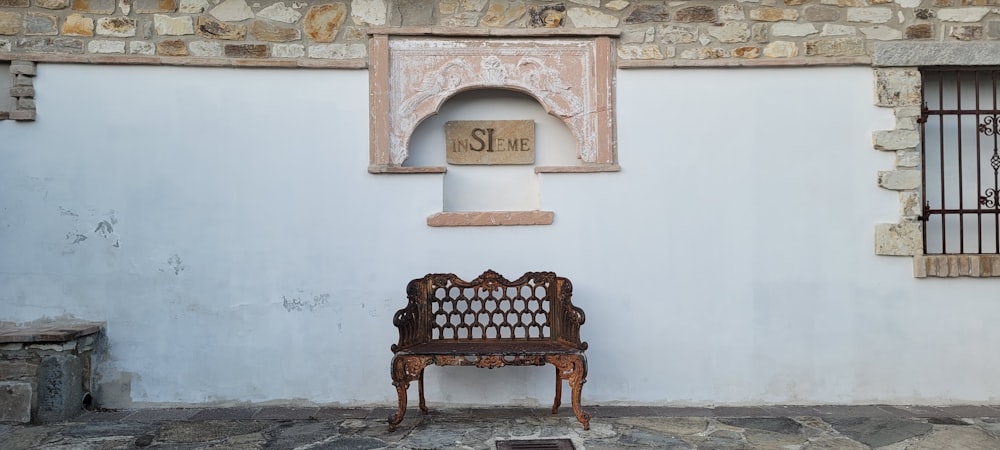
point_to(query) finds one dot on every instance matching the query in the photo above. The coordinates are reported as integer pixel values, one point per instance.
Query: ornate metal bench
(489, 322)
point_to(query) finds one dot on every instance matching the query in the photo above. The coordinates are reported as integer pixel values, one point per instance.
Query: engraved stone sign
(490, 142)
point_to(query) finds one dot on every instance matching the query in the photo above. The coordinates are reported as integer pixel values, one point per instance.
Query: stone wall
(333, 33)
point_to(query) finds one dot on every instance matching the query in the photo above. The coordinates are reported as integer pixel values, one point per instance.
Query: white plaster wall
(729, 262)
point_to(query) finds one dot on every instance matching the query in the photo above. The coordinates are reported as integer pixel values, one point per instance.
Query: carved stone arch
(412, 76)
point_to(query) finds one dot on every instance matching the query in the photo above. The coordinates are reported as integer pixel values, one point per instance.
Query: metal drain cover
(536, 444)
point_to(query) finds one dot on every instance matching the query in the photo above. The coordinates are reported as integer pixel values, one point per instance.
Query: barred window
(961, 165)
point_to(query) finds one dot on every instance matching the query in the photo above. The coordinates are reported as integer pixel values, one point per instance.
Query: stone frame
(413, 71)
(22, 92)
(899, 86)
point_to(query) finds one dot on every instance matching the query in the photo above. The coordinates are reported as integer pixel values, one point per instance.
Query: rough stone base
(15, 401)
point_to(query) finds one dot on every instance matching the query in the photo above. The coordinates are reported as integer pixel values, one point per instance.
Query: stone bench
(489, 322)
(45, 369)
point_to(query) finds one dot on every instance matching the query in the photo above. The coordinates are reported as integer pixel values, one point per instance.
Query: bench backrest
(443, 307)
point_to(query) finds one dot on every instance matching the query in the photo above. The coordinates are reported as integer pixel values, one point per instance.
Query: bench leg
(420, 387)
(405, 369)
(572, 368)
(396, 418)
(558, 400)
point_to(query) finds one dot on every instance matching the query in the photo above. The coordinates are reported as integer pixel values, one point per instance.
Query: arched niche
(412, 75)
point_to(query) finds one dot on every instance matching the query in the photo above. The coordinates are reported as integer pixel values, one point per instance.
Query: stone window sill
(490, 218)
(951, 266)
(590, 168)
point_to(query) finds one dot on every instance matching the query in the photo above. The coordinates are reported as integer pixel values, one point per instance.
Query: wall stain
(299, 304)
(77, 238)
(104, 228)
(176, 263)
(67, 212)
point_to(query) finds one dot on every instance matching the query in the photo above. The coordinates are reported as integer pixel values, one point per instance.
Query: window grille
(959, 126)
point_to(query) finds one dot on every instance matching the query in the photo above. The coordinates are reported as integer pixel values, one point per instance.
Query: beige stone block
(899, 180)
(269, 32)
(77, 25)
(646, 51)
(493, 142)
(920, 266)
(502, 14)
(898, 239)
(10, 23)
(116, 27)
(781, 49)
(213, 29)
(322, 22)
(770, 14)
(895, 139)
(173, 26)
(897, 87)
(52, 4)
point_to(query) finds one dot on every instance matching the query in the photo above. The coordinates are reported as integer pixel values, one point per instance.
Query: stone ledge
(913, 54)
(951, 266)
(379, 170)
(490, 218)
(188, 61)
(46, 332)
(732, 62)
(590, 168)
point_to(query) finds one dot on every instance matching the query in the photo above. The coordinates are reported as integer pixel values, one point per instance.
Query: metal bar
(923, 158)
(996, 214)
(944, 221)
(979, 171)
(961, 200)
(953, 112)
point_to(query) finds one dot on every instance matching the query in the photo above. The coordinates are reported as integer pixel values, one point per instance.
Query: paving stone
(956, 438)
(676, 426)
(878, 431)
(207, 430)
(225, 414)
(737, 411)
(647, 438)
(782, 425)
(299, 434)
(162, 415)
(971, 411)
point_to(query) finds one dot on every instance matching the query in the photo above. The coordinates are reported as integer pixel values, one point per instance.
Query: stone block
(22, 91)
(10, 23)
(322, 22)
(966, 32)
(205, 49)
(14, 4)
(771, 14)
(77, 25)
(337, 51)
(898, 239)
(22, 68)
(26, 103)
(172, 48)
(919, 31)
(200, 6)
(95, 6)
(39, 24)
(731, 32)
(173, 26)
(154, 6)
(678, 34)
(909, 204)
(501, 14)
(899, 180)
(962, 14)
(232, 11)
(847, 46)
(278, 12)
(369, 12)
(116, 27)
(869, 15)
(266, 31)
(104, 46)
(60, 388)
(644, 51)
(781, 49)
(881, 33)
(897, 87)
(141, 48)
(22, 114)
(547, 16)
(288, 50)
(49, 45)
(648, 12)
(245, 51)
(817, 13)
(17, 370)
(793, 29)
(731, 12)
(15, 401)
(213, 29)
(699, 13)
(52, 4)
(896, 139)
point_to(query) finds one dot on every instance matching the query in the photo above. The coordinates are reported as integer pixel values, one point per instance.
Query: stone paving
(785, 428)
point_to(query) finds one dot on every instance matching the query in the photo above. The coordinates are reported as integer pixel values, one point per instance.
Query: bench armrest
(572, 316)
(408, 320)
